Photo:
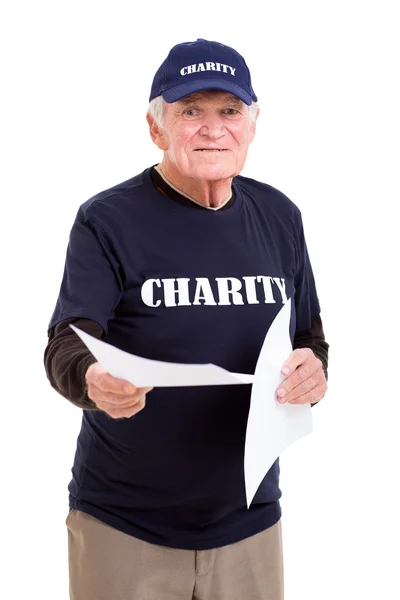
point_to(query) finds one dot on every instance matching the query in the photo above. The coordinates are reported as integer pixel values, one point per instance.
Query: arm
(307, 365)
(90, 291)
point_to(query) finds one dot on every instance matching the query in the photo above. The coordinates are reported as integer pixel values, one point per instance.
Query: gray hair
(156, 110)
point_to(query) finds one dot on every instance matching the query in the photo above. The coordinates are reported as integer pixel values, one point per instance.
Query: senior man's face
(206, 135)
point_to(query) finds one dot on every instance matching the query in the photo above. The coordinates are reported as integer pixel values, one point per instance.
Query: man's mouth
(211, 149)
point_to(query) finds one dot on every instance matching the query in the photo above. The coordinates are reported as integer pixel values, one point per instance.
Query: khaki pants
(106, 564)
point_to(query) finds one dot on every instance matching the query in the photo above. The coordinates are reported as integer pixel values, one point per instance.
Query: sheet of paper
(272, 426)
(143, 372)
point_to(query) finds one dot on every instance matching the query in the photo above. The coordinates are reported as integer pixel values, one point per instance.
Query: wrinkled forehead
(218, 96)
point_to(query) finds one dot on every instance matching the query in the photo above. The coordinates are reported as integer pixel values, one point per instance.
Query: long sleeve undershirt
(67, 359)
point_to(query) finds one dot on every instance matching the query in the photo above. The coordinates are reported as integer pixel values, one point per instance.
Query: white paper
(144, 372)
(272, 426)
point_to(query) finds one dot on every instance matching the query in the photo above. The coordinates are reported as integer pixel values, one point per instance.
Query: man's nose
(212, 126)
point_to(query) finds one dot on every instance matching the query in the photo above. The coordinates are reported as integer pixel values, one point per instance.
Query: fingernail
(285, 371)
(281, 392)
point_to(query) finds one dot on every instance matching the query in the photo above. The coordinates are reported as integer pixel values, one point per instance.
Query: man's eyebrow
(193, 99)
(233, 101)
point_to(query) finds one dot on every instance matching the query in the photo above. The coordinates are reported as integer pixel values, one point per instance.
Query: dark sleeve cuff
(66, 360)
(314, 338)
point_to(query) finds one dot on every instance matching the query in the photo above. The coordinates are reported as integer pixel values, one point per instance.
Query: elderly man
(186, 262)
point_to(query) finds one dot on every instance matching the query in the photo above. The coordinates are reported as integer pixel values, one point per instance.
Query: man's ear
(156, 133)
(254, 126)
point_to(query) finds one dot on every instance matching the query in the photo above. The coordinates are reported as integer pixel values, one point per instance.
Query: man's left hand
(305, 382)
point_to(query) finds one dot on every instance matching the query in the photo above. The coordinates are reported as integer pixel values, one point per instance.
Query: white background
(75, 83)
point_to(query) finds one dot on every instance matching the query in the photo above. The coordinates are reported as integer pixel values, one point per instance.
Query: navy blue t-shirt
(191, 286)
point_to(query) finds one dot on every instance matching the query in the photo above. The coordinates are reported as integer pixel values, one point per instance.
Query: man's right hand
(117, 397)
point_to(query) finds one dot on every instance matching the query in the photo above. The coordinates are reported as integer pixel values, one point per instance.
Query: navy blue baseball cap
(202, 65)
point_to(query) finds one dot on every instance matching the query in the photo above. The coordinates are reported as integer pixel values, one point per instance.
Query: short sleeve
(91, 286)
(306, 298)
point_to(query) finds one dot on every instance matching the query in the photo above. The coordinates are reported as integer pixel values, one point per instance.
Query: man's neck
(211, 194)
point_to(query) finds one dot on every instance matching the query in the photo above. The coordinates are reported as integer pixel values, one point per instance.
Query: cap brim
(185, 89)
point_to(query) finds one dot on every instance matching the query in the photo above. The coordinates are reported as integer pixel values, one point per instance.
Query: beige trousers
(106, 564)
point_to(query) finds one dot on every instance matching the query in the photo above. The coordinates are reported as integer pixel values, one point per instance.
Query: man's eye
(190, 112)
(230, 111)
